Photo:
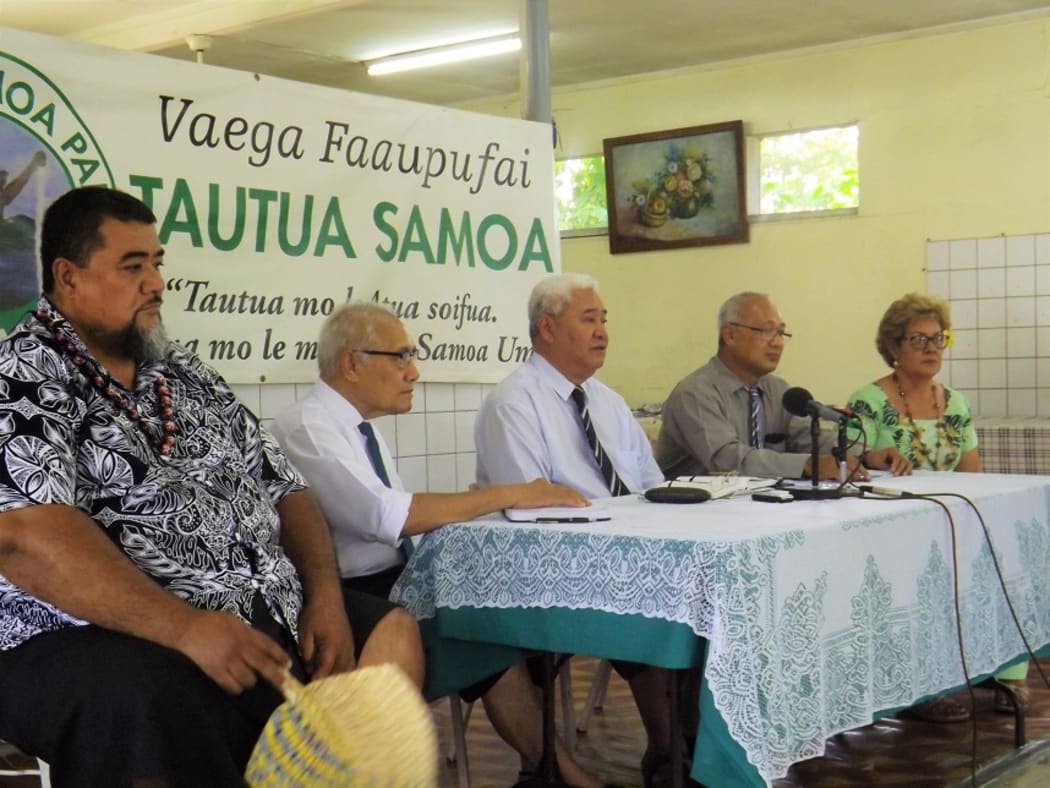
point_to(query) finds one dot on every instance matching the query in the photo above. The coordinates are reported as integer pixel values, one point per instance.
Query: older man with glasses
(728, 414)
(368, 370)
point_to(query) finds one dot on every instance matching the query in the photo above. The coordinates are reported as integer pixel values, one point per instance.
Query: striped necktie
(615, 483)
(754, 417)
(374, 457)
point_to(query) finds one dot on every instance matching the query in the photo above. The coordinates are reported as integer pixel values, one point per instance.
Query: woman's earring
(896, 363)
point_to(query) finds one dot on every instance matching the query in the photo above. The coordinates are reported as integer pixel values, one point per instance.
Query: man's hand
(540, 492)
(230, 652)
(325, 639)
(888, 459)
(829, 469)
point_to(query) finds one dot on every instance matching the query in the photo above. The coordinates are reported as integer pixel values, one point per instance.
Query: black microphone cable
(891, 494)
(862, 438)
(1002, 581)
(894, 494)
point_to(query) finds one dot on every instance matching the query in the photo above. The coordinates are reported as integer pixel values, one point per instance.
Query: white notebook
(558, 514)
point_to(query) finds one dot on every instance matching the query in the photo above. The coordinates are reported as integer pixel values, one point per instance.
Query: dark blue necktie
(374, 457)
(372, 447)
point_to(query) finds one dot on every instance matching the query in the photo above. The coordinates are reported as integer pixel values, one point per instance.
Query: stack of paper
(724, 486)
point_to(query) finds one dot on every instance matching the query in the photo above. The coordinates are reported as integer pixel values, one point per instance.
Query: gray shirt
(705, 428)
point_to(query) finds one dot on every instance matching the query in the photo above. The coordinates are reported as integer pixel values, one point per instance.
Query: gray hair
(349, 327)
(730, 310)
(552, 295)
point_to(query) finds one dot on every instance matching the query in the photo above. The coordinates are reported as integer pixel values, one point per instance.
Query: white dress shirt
(529, 428)
(320, 435)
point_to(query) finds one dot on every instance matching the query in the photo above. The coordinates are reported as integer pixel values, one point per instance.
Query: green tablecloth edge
(465, 645)
(720, 761)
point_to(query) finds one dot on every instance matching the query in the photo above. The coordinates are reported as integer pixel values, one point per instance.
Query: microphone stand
(814, 452)
(815, 492)
(840, 452)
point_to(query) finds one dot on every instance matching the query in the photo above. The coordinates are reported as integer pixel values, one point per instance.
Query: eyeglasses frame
(404, 357)
(767, 333)
(925, 340)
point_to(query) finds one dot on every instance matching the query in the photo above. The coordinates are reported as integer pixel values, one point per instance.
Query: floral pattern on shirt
(930, 447)
(202, 522)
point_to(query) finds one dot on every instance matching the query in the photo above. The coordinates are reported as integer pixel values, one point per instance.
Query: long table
(817, 616)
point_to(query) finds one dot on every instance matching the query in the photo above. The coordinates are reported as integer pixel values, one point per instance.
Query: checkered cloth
(1014, 445)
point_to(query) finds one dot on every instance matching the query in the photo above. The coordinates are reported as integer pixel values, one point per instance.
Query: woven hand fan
(369, 727)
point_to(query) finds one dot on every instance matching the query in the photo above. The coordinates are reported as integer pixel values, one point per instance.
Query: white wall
(954, 143)
(433, 444)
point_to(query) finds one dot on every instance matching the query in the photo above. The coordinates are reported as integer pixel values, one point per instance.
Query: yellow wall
(953, 143)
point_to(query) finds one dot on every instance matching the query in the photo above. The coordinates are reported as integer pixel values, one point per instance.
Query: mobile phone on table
(773, 496)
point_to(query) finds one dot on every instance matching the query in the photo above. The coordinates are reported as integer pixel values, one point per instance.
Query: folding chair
(9, 754)
(461, 711)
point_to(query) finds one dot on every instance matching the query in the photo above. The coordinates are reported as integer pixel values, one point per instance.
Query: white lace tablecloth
(818, 614)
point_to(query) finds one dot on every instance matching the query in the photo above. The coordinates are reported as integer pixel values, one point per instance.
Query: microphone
(800, 402)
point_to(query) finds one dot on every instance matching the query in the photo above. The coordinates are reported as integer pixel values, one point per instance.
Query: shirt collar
(341, 408)
(727, 383)
(64, 330)
(546, 371)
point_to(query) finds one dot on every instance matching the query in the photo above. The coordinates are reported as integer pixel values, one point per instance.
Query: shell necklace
(103, 383)
(920, 450)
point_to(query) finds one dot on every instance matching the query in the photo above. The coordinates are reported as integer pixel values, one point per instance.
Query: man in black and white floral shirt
(158, 553)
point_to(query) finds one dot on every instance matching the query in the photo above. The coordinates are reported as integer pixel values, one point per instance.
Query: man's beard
(147, 344)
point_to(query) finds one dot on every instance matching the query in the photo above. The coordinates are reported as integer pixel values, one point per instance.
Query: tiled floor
(892, 752)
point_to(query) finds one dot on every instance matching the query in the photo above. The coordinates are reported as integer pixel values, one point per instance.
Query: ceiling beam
(162, 29)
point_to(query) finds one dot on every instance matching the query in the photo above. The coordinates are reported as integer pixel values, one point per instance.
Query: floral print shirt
(931, 447)
(202, 522)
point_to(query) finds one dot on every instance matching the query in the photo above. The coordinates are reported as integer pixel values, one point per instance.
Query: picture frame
(676, 188)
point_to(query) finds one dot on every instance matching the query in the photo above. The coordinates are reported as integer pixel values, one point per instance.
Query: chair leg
(568, 707)
(45, 774)
(464, 717)
(459, 740)
(599, 686)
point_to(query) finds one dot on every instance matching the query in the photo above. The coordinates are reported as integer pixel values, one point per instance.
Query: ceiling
(324, 41)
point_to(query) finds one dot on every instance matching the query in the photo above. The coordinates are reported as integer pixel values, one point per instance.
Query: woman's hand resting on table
(888, 459)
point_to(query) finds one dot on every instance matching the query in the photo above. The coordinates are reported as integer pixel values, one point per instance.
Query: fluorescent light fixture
(437, 56)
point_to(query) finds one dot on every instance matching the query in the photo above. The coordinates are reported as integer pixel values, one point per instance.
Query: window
(579, 189)
(807, 171)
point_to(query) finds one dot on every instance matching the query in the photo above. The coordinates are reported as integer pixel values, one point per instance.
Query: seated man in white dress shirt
(367, 370)
(531, 426)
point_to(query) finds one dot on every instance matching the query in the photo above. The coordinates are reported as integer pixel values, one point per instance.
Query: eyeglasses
(404, 357)
(940, 340)
(767, 333)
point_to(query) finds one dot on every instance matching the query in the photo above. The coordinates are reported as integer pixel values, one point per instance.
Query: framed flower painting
(677, 188)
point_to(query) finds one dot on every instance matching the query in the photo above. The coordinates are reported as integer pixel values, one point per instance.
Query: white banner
(277, 201)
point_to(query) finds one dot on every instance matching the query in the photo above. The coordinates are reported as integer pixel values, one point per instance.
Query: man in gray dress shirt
(728, 414)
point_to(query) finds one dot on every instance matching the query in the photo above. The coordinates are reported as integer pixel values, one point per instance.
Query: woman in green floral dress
(912, 421)
(929, 424)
